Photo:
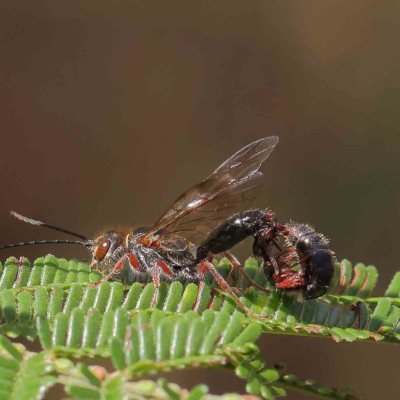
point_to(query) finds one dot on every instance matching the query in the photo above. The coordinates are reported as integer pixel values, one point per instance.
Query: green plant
(55, 301)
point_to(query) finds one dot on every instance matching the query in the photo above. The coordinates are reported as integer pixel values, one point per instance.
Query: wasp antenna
(87, 243)
(39, 223)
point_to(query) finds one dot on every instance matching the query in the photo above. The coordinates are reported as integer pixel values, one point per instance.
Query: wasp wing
(231, 187)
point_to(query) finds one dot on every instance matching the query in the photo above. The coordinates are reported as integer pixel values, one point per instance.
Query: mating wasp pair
(209, 219)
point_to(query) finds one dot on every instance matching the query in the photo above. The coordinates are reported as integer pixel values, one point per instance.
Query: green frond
(357, 281)
(148, 344)
(63, 292)
(56, 300)
(292, 382)
(394, 288)
(24, 375)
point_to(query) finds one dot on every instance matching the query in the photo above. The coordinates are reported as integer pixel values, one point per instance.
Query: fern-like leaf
(55, 300)
(54, 288)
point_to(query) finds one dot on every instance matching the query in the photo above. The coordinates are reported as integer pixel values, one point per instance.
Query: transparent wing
(231, 187)
(196, 225)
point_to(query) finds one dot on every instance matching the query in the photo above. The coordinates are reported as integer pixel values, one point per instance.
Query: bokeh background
(111, 109)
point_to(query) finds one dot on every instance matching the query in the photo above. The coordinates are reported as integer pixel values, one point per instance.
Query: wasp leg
(288, 255)
(158, 267)
(205, 266)
(235, 264)
(292, 281)
(291, 252)
(211, 301)
(133, 262)
(199, 293)
(286, 278)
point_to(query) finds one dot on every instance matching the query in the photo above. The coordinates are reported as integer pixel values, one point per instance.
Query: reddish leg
(120, 263)
(199, 293)
(156, 279)
(285, 270)
(236, 264)
(205, 266)
(293, 281)
(287, 278)
(211, 303)
(275, 259)
(289, 252)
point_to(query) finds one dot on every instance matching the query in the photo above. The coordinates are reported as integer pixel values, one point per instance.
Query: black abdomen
(231, 232)
(318, 261)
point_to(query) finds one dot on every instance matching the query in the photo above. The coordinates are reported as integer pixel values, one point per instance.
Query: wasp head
(107, 249)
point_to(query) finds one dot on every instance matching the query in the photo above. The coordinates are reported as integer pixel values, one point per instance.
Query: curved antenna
(88, 243)
(39, 223)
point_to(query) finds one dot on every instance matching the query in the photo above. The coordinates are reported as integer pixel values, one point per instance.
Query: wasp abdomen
(231, 232)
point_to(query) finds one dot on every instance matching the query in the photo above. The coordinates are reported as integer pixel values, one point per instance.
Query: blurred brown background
(110, 110)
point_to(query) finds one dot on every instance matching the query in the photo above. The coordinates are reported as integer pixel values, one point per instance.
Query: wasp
(207, 220)
(168, 248)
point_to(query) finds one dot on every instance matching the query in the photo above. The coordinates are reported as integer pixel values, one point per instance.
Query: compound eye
(102, 250)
